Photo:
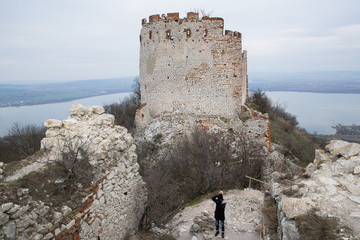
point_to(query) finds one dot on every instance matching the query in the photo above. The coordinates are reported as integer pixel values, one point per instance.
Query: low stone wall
(111, 210)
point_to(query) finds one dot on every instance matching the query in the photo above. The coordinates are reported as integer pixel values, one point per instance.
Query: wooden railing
(251, 178)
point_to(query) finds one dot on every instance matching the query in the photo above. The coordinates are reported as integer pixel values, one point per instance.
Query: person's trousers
(222, 225)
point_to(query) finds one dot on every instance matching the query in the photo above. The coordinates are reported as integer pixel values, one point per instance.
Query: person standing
(219, 213)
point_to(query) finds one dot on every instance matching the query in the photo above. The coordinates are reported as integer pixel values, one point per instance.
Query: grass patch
(254, 107)
(43, 186)
(199, 199)
(270, 215)
(297, 143)
(60, 183)
(225, 120)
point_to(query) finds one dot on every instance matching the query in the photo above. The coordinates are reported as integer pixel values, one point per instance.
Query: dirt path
(243, 217)
(35, 166)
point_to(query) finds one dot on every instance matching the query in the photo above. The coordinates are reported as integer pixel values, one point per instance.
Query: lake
(314, 111)
(319, 111)
(37, 114)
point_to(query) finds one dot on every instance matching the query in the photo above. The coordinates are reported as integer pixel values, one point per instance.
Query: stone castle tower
(192, 65)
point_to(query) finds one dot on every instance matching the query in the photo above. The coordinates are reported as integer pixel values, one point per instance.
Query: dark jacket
(220, 207)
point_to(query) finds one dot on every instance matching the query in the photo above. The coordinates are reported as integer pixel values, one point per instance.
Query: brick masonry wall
(190, 64)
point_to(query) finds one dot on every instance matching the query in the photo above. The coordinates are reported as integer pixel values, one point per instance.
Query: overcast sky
(48, 40)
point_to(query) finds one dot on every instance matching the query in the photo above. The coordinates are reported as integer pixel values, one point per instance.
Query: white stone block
(97, 109)
(70, 224)
(6, 206)
(52, 123)
(294, 207)
(4, 218)
(9, 230)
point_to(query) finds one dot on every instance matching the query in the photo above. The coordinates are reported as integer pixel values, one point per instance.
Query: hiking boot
(217, 233)
(222, 234)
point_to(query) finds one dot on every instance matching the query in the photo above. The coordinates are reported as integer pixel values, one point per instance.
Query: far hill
(321, 81)
(32, 94)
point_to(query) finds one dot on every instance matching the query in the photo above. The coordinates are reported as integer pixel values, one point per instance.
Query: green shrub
(297, 143)
(284, 129)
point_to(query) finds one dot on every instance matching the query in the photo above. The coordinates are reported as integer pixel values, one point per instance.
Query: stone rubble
(173, 125)
(1, 170)
(332, 187)
(243, 216)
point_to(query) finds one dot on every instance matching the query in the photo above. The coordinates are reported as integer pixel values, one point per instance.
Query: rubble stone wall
(114, 204)
(191, 64)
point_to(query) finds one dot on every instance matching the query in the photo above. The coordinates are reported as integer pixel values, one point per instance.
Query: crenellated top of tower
(191, 17)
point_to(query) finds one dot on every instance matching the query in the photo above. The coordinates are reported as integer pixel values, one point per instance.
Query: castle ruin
(192, 65)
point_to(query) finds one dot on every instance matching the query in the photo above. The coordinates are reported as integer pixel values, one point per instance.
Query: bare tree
(136, 96)
(21, 142)
(125, 110)
(198, 164)
(203, 12)
(72, 160)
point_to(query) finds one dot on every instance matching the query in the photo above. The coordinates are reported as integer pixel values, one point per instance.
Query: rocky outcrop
(91, 128)
(331, 188)
(114, 203)
(165, 130)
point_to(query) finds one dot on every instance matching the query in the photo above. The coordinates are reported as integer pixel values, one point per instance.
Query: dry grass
(313, 227)
(42, 186)
(270, 215)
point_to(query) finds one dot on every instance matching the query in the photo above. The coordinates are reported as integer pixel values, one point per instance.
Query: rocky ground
(243, 218)
(330, 186)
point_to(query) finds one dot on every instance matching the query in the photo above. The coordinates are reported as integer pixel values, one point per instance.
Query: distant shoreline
(341, 92)
(109, 93)
(17, 95)
(58, 101)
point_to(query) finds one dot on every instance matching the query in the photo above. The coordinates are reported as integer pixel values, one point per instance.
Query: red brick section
(212, 18)
(138, 115)
(142, 106)
(206, 124)
(172, 16)
(73, 232)
(228, 32)
(192, 16)
(154, 18)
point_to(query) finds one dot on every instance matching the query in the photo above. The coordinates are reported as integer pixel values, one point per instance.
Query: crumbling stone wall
(190, 64)
(331, 188)
(114, 204)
